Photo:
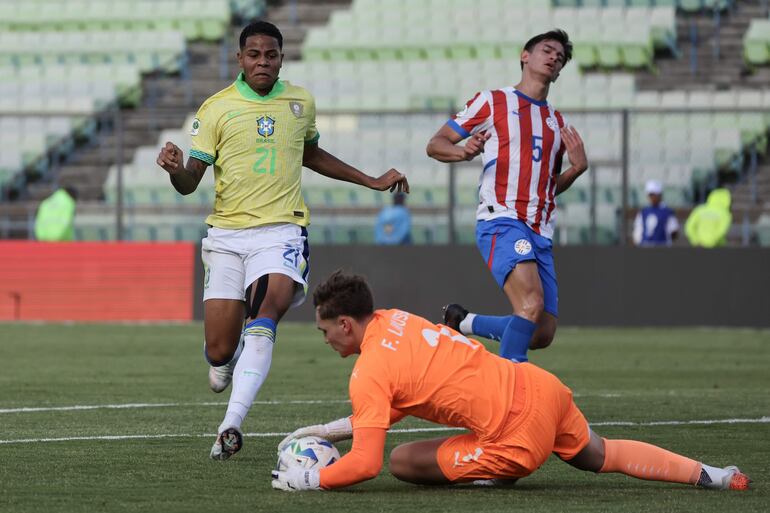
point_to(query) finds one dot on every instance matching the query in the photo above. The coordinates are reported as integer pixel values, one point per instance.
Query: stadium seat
(368, 31)
(756, 43)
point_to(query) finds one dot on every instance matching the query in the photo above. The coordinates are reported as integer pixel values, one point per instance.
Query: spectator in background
(709, 223)
(55, 219)
(394, 223)
(656, 224)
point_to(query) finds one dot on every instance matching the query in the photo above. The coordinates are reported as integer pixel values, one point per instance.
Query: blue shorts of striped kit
(504, 242)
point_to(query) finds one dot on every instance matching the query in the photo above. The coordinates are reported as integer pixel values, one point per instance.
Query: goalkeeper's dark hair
(343, 294)
(557, 35)
(261, 27)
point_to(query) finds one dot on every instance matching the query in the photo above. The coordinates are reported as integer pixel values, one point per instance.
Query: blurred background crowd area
(674, 93)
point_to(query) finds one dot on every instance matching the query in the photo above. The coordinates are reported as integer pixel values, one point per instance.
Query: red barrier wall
(95, 281)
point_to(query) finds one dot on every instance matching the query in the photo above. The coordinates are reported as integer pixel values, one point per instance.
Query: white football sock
(249, 374)
(466, 325)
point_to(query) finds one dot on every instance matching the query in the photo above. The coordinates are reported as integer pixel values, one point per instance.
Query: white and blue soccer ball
(310, 452)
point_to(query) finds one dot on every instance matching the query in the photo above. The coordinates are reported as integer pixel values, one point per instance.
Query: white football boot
(228, 443)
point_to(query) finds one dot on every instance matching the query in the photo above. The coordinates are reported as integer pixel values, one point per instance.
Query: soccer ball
(310, 452)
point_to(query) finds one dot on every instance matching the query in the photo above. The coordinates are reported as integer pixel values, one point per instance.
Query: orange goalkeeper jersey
(429, 371)
(410, 366)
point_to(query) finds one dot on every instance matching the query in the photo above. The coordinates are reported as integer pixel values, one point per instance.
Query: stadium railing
(685, 149)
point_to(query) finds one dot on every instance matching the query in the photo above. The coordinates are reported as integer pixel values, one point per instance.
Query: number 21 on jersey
(265, 162)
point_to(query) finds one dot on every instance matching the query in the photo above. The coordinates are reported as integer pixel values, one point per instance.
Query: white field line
(760, 420)
(127, 406)
(81, 407)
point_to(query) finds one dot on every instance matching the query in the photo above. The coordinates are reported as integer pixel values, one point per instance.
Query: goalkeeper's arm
(334, 431)
(363, 462)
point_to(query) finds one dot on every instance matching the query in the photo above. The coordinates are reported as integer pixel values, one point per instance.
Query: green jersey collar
(250, 94)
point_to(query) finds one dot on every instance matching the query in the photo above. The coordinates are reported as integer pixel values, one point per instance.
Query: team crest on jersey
(522, 247)
(265, 126)
(196, 124)
(552, 123)
(296, 108)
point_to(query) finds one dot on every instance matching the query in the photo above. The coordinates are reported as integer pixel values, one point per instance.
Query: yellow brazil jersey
(255, 144)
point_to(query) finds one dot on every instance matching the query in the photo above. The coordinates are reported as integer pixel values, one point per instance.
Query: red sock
(646, 461)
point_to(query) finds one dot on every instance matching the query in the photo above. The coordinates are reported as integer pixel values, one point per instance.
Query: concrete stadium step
(307, 12)
(86, 191)
(726, 70)
(293, 21)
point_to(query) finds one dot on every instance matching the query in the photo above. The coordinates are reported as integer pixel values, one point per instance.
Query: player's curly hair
(260, 27)
(343, 294)
(557, 35)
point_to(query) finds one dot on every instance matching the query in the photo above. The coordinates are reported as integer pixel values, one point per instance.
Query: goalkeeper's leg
(647, 461)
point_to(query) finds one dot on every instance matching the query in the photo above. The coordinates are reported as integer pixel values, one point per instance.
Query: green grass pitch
(629, 383)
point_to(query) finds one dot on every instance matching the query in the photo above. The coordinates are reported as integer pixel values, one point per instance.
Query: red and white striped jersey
(522, 158)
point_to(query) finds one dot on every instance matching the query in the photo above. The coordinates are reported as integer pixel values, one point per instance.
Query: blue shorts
(504, 242)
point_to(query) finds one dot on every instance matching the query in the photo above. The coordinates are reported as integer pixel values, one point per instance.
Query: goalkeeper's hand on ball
(296, 479)
(334, 431)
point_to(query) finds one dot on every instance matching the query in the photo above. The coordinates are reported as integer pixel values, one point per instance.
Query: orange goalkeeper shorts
(543, 420)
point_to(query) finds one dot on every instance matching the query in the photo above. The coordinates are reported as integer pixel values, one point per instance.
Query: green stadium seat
(361, 234)
(756, 52)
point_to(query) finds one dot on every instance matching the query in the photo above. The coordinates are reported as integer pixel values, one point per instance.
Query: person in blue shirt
(656, 224)
(394, 223)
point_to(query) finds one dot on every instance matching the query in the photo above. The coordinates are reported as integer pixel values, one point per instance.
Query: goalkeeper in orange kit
(516, 414)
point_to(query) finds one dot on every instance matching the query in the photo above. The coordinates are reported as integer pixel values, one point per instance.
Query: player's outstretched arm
(443, 145)
(185, 179)
(325, 163)
(334, 431)
(577, 157)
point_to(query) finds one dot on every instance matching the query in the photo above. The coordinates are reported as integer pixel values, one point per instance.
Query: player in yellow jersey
(257, 133)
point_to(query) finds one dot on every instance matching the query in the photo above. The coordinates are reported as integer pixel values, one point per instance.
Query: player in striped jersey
(522, 140)
(257, 133)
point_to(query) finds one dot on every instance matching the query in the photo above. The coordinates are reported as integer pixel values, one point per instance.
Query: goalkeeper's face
(340, 334)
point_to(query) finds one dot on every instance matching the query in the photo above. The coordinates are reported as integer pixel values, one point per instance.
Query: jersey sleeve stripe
(457, 128)
(489, 164)
(313, 139)
(478, 118)
(202, 156)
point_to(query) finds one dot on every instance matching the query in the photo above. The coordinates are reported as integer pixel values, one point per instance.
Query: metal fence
(690, 151)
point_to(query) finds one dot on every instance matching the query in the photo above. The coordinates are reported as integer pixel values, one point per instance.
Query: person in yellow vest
(709, 223)
(55, 217)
